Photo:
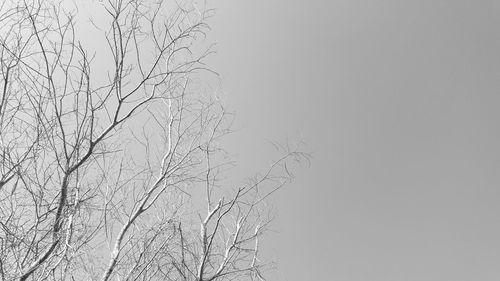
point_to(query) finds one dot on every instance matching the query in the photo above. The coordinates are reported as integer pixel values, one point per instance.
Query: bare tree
(111, 162)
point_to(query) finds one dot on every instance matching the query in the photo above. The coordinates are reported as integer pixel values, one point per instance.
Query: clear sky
(399, 102)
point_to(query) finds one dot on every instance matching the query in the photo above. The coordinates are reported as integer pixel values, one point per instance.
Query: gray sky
(399, 102)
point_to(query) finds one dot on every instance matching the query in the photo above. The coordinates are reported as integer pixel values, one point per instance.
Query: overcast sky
(400, 103)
